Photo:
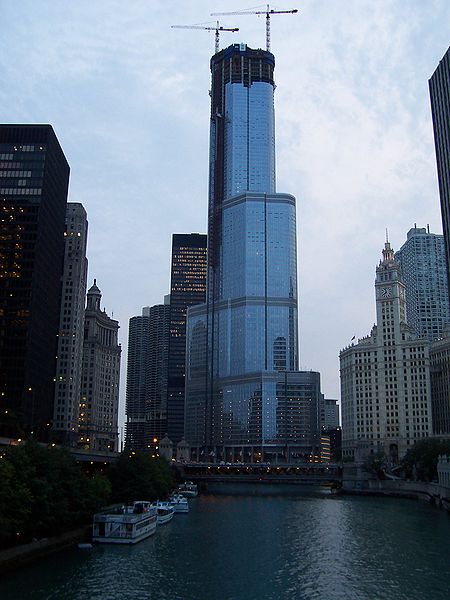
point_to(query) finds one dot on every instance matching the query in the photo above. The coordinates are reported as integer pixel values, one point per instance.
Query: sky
(128, 98)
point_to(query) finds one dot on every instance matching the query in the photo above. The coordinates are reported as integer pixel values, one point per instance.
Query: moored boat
(165, 512)
(125, 525)
(179, 503)
(188, 489)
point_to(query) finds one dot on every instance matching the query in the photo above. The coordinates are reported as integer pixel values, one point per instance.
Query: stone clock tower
(390, 296)
(385, 379)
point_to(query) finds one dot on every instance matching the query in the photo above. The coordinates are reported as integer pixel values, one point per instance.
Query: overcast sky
(128, 99)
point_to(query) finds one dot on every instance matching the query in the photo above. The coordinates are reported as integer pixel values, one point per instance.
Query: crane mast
(217, 29)
(268, 12)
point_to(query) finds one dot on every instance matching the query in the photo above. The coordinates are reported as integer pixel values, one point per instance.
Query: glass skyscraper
(422, 259)
(242, 344)
(439, 85)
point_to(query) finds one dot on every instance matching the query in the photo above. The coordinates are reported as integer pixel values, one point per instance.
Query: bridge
(304, 473)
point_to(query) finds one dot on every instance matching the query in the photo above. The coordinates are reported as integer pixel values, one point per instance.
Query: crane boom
(217, 28)
(269, 11)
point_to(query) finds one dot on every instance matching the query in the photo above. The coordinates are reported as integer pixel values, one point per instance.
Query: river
(273, 546)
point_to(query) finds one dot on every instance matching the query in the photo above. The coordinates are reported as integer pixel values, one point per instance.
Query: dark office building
(146, 396)
(440, 109)
(187, 288)
(34, 177)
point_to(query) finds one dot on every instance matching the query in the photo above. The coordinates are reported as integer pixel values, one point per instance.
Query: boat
(165, 512)
(125, 525)
(179, 503)
(188, 489)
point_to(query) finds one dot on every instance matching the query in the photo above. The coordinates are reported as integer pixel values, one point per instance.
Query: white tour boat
(165, 512)
(126, 525)
(188, 489)
(179, 503)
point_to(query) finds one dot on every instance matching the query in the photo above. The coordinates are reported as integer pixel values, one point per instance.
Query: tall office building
(99, 403)
(146, 396)
(235, 381)
(440, 109)
(187, 288)
(422, 260)
(385, 377)
(34, 178)
(71, 326)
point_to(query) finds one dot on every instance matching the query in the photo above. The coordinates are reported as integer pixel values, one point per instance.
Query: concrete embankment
(16, 557)
(430, 492)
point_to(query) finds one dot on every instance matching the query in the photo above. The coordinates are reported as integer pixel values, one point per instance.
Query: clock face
(386, 292)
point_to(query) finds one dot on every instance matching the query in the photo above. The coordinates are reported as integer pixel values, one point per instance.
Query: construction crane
(217, 28)
(268, 12)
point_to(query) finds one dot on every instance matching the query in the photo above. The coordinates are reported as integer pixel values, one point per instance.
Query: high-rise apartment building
(34, 178)
(99, 403)
(248, 325)
(187, 288)
(385, 377)
(424, 270)
(71, 326)
(146, 396)
(440, 109)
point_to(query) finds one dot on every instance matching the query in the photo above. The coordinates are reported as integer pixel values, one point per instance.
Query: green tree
(15, 503)
(139, 476)
(421, 460)
(376, 464)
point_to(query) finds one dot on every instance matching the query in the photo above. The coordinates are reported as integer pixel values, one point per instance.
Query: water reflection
(312, 547)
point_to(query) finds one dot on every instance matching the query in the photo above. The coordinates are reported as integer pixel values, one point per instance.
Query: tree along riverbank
(45, 493)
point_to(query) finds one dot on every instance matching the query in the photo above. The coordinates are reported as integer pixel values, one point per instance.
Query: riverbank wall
(357, 481)
(18, 556)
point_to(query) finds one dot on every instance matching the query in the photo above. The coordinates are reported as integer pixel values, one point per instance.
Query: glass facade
(424, 270)
(187, 288)
(34, 177)
(243, 342)
(439, 85)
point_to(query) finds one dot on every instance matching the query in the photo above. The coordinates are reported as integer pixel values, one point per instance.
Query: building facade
(385, 377)
(244, 339)
(439, 85)
(34, 178)
(71, 327)
(99, 403)
(424, 270)
(440, 384)
(146, 392)
(187, 288)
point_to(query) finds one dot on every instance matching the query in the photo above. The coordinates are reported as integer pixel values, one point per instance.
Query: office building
(243, 340)
(424, 270)
(187, 288)
(440, 383)
(146, 393)
(99, 403)
(329, 413)
(439, 85)
(71, 327)
(34, 178)
(385, 377)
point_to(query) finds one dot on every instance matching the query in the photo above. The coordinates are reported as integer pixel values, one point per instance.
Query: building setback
(385, 378)
(424, 270)
(146, 395)
(187, 288)
(99, 404)
(71, 326)
(34, 178)
(243, 391)
(439, 85)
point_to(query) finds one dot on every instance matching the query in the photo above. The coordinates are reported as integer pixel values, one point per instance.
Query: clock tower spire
(390, 295)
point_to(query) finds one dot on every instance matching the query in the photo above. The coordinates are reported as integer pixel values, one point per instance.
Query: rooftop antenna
(217, 28)
(268, 12)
